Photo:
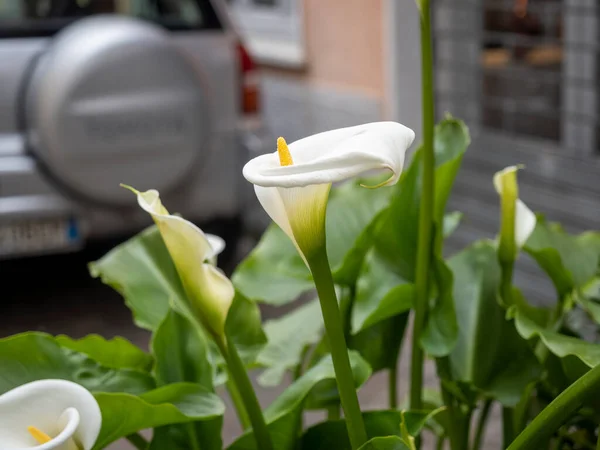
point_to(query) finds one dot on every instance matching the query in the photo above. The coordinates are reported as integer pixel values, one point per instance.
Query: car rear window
(21, 18)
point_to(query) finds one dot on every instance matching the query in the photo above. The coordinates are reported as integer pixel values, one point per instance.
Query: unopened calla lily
(209, 291)
(49, 415)
(518, 221)
(292, 184)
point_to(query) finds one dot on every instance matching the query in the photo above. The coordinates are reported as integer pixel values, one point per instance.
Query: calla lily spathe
(293, 189)
(209, 291)
(60, 410)
(525, 219)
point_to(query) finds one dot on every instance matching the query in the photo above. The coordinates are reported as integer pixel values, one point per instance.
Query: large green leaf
(558, 344)
(489, 352)
(182, 355)
(396, 238)
(441, 330)
(141, 270)
(283, 414)
(380, 293)
(34, 356)
(116, 353)
(379, 424)
(380, 344)
(181, 352)
(244, 326)
(288, 336)
(570, 261)
(274, 273)
(124, 414)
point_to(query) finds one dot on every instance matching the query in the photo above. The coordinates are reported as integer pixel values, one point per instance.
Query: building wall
(344, 41)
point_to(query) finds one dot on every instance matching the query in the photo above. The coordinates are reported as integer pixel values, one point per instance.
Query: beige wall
(344, 43)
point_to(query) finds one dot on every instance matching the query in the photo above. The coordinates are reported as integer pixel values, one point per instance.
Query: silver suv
(153, 93)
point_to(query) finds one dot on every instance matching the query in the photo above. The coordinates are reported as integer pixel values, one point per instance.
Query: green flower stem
(238, 404)
(319, 267)
(426, 210)
(557, 412)
(137, 441)
(238, 373)
(481, 424)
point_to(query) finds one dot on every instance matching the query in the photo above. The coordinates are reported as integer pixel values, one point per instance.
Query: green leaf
(385, 443)
(380, 344)
(489, 353)
(558, 344)
(244, 326)
(141, 270)
(379, 424)
(181, 352)
(570, 261)
(283, 415)
(182, 355)
(405, 436)
(116, 353)
(441, 331)
(288, 336)
(35, 356)
(380, 293)
(124, 414)
(397, 234)
(274, 273)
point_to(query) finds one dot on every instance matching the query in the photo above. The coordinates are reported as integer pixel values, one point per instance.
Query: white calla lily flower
(194, 254)
(293, 183)
(49, 415)
(525, 219)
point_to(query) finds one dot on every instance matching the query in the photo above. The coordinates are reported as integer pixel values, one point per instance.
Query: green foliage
(35, 356)
(124, 414)
(489, 353)
(283, 414)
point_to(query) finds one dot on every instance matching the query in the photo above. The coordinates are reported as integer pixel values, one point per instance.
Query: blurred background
(178, 94)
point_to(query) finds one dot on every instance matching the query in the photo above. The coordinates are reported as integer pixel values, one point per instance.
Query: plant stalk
(426, 210)
(319, 267)
(238, 405)
(481, 424)
(556, 413)
(137, 441)
(238, 373)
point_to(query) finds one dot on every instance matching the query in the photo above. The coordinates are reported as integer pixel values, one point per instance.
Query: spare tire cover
(112, 101)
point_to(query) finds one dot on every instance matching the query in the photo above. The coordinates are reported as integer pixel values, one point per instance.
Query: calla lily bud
(209, 292)
(293, 183)
(49, 415)
(517, 220)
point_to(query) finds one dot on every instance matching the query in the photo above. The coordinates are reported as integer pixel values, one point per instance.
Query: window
(525, 68)
(35, 17)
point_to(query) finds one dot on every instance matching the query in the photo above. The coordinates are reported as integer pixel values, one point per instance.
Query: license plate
(28, 237)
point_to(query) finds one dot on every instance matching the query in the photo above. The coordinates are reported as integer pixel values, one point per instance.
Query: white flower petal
(525, 221)
(61, 409)
(336, 155)
(217, 245)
